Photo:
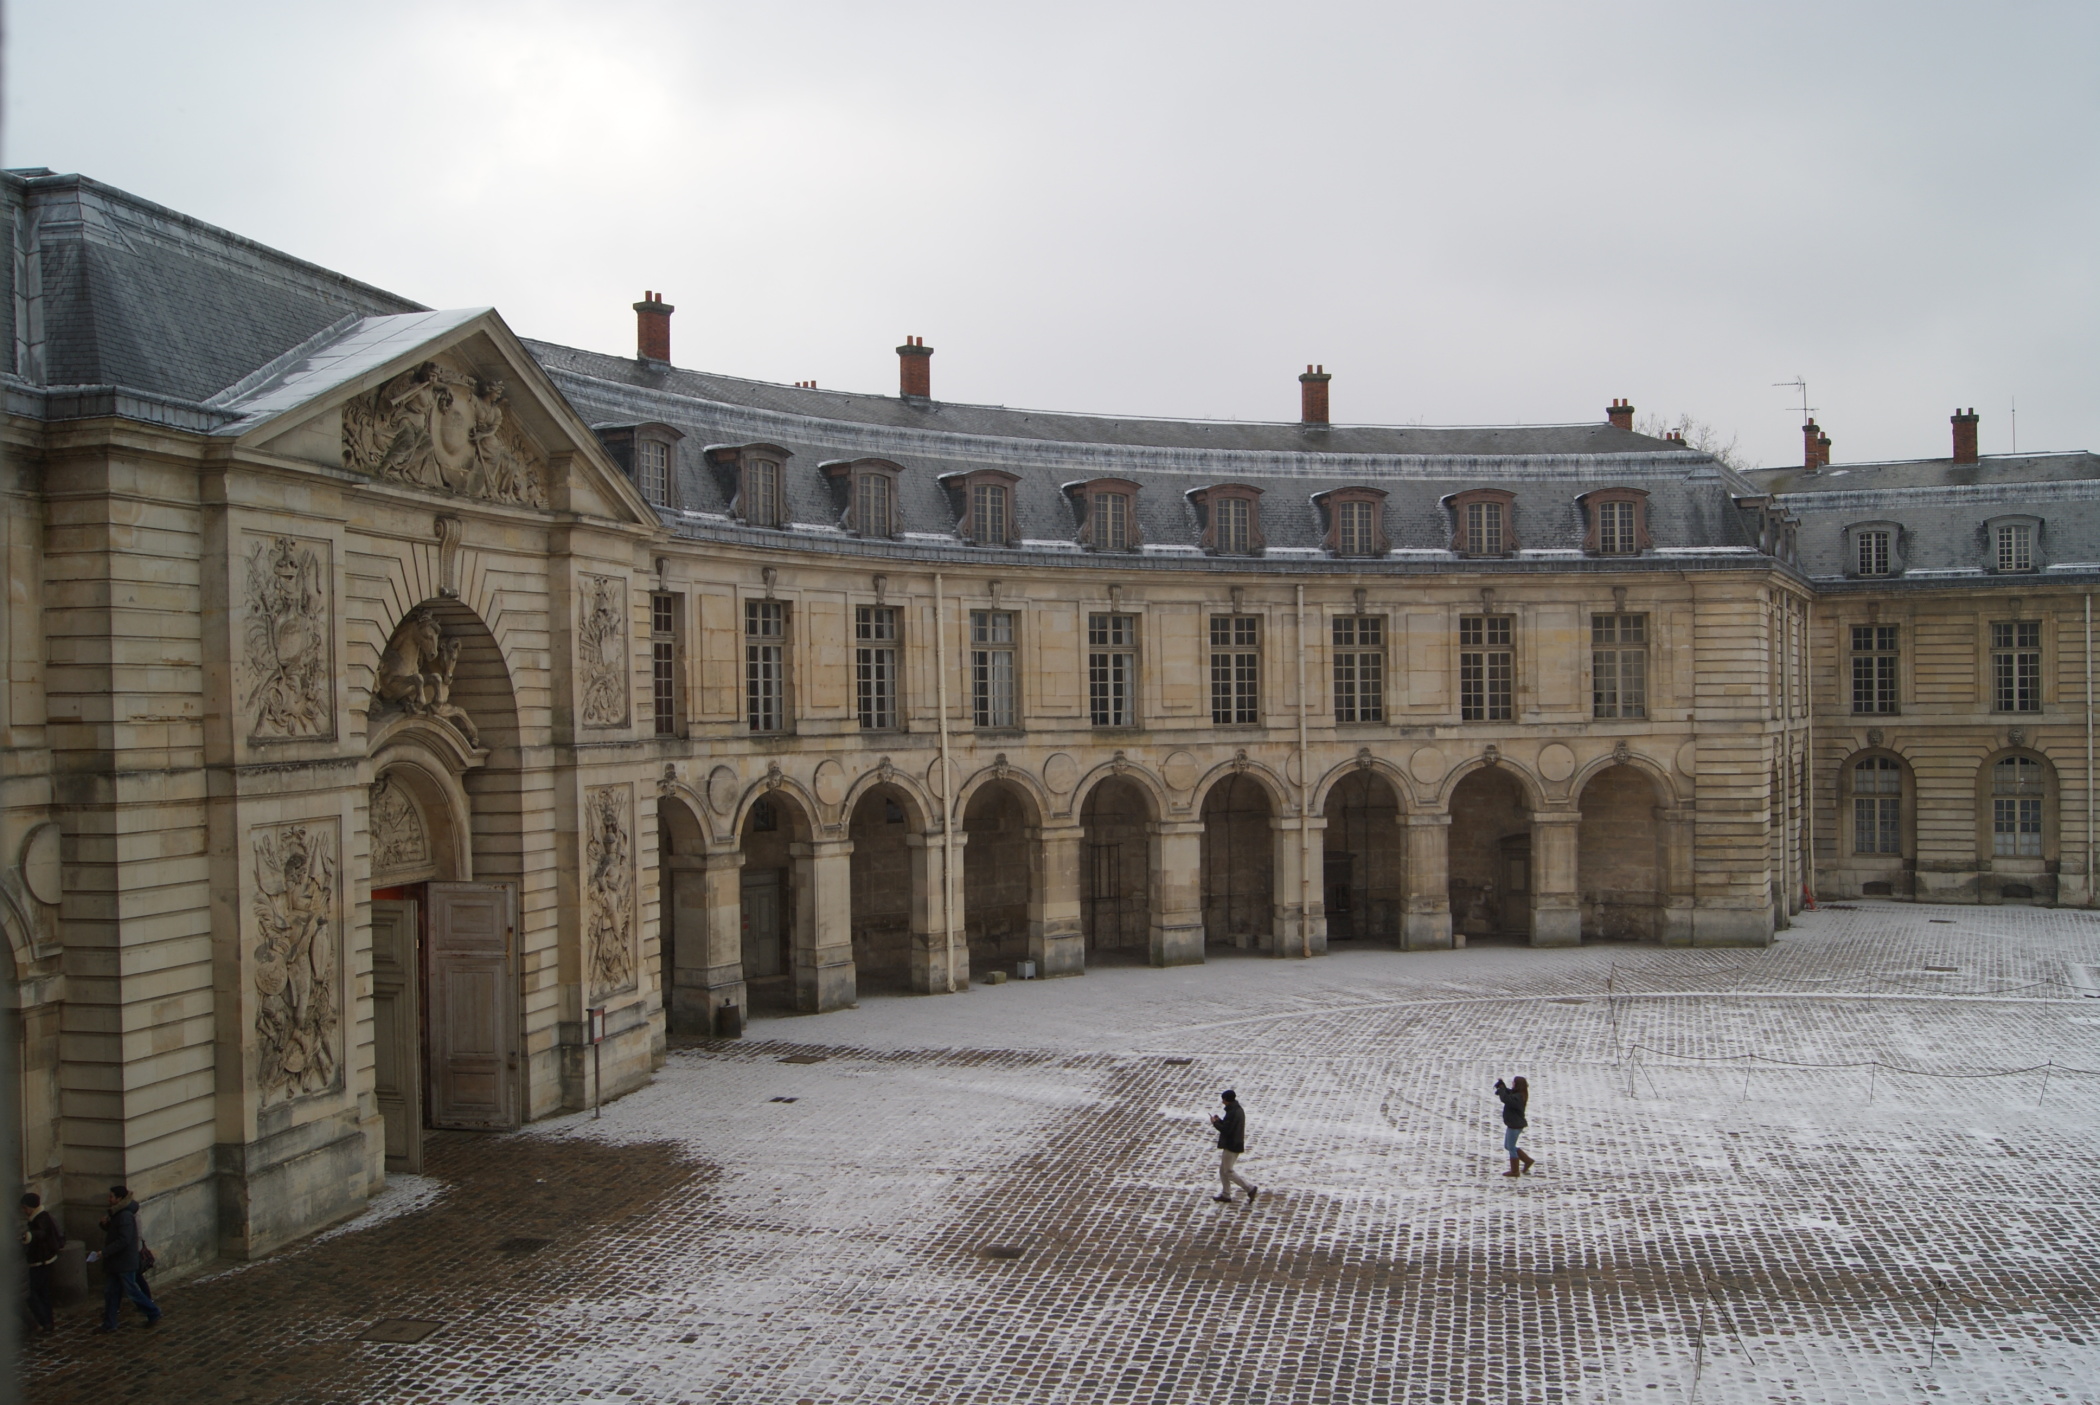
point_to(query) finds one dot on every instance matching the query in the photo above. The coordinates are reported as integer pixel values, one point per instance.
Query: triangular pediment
(447, 403)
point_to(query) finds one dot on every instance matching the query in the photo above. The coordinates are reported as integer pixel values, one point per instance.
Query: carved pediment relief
(445, 428)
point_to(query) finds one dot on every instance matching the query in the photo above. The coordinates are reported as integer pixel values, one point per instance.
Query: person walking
(1514, 1096)
(41, 1242)
(123, 1256)
(1232, 1140)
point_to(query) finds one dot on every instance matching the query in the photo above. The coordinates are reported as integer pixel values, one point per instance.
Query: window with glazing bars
(988, 516)
(1483, 529)
(1877, 806)
(1874, 657)
(1109, 519)
(1618, 663)
(1873, 552)
(992, 702)
(1235, 670)
(2016, 808)
(765, 665)
(653, 464)
(2016, 547)
(1232, 526)
(1111, 670)
(871, 505)
(1354, 533)
(1359, 665)
(761, 505)
(875, 665)
(1615, 535)
(663, 661)
(1486, 665)
(2016, 666)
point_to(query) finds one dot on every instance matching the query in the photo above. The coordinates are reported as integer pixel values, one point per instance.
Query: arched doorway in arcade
(1490, 875)
(1115, 871)
(1238, 864)
(884, 828)
(771, 899)
(1618, 857)
(998, 875)
(1362, 869)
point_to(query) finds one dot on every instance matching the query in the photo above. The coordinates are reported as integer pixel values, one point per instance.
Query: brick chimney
(1312, 395)
(1620, 414)
(1822, 451)
(1815, 447)
(915, 369)
(1964, 434)
(652, 328)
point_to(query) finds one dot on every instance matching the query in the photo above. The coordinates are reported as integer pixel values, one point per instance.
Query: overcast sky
(1469, 213)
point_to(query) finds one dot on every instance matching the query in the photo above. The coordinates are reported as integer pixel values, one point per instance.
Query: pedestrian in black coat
(123, 1254)
(1516, 1095)
(1232, 1140)
(41, 1242)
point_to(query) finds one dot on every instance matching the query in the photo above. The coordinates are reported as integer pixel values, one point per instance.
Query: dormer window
(757, 482)
(649, 454)
(984, 498)
(1355, 521)
(2012, 545)
(1231, 516)
(652, 464)
(1618, 521)
(1109, 508)
(1483, 522)
(1873, 549)
(871, 495)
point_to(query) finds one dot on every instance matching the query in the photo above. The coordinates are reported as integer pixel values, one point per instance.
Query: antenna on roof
(1800, 383)
(2016, 424)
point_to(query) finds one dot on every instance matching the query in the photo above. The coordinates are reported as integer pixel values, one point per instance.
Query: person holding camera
(1515, 1096)
(1232, 1140)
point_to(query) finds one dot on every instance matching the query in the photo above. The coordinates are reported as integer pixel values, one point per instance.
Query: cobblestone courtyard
(1005, 1196)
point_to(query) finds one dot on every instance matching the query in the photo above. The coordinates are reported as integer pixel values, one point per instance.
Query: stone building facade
(396, 706)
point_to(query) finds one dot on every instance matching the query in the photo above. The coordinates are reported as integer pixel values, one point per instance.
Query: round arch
(1116, 816)
(1619, 862)
(1281, 795)
(1360, 764)
(1238, 860)
(1363, 865)
(1157, 797)
(1877, 822)
(773, 821)
(921, 810)
(1490, 850)
(1025, 786)
(1000, 817)
(1529, 784)
(887, 882)
(1658, 775)
(2018, 839)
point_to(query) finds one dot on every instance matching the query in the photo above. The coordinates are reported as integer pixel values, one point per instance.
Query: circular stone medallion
(829, 782)
(721, 790)
(40, 865)
(1060, 773)
(1426, 765)
(1180, 770)
(1688, 759)
(1556, 762)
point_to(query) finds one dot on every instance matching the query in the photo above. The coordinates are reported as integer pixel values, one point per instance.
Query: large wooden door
(472, 1025)
(763, 948)
(397, 1031)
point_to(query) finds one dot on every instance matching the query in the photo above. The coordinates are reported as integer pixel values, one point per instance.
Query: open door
(471, 1030)
(397, 1035)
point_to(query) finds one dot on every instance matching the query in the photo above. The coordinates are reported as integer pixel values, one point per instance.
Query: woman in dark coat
(1514, 1096)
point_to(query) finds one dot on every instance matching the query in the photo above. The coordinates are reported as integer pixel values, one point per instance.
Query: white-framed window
(1108, 517)
(1486, 664)
(2017, 791)
(1355, 529)
(664, 691)
(990, 514)
(2016, 666)
(872, 505)
(1235, 670)
(875, 666)
(1877, 806)
(765, 665)
(652, 461)
(1874, 659)
(761, 493)
(1618, 662)
(1359, 664)
(1484, 529)
(993, 699)
(2015, 546)
(1111, 670)
(1616, 535)
(1233, 529)
(1874, 554)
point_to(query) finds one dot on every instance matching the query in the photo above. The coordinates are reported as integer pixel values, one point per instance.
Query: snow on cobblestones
(1812, 1173)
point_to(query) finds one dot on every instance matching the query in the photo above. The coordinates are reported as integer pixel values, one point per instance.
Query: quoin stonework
(387, 694)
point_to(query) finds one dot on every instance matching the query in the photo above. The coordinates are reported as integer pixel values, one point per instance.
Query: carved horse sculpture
(415, 672)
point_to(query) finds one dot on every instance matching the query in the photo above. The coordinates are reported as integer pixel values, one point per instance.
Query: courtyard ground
(1808, 1173)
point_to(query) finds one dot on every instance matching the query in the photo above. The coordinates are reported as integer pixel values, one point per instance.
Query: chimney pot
(915, 369)
(1312, 395)
(1620, 414)
(652, 328)
(1812, 455)
(1964, 435)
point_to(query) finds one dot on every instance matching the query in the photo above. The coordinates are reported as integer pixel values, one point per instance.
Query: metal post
(940, 669)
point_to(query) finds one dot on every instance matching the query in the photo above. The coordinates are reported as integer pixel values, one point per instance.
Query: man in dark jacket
(122, 1248)
(1232, 1140)
(41, 1242)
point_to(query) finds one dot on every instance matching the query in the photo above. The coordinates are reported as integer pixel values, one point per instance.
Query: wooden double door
(445, 1012)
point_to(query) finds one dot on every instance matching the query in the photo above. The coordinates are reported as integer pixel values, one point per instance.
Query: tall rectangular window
(2016, 808)
(871, 505)
(663, 661)
(1877, 806)
(1484, 529)
(1486, 665)
(761, 505)
(988, 514)
(765, 665)
(1110, 521)
(992, 700)
(1874, 658)
(875, 665)
(1615, 534)
(652, 459)
(1111, 670)
(1359, 665)
(2016, 666)
(2016, 547)
(1873, 545)
(1232, 527)
(1235, 670)
(1618, 663)
(1353, 529)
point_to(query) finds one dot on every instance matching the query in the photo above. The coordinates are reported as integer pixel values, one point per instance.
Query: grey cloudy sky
(1470, 213)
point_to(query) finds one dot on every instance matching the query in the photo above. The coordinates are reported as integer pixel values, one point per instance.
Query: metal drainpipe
(1808, 712)
(1304, 800)
(2089, 750)
(940, 667)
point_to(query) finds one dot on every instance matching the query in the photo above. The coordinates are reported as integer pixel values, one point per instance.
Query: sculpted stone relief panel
(609, 889)
(399, 841)
(415, 672)
(287, 668)
(601, 652)
(441, 427)
(298, 961)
